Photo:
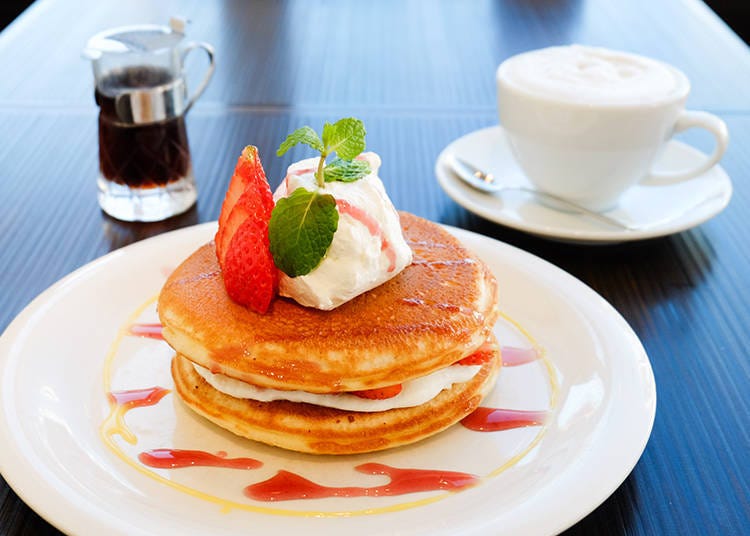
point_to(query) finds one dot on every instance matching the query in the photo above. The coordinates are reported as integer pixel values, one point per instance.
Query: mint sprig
(345, 137)
(345, 170)
(305, 135)
(302, 225)
(301, 231)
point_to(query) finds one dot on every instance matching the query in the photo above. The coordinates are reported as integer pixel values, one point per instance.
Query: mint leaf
(304, 135)
(328, 132)
(301, 231)
(346, 170)
(346, 137)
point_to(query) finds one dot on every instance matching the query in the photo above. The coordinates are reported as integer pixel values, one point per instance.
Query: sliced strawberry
(381, 393)
(481, 356)
(234, 220)
(249, 178)
(242, 245)
(250, 275)
(237, 185)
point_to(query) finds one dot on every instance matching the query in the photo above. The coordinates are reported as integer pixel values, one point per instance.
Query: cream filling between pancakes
(413, 393)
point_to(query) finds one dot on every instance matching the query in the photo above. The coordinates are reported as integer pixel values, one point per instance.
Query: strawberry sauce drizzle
(485, 419)
(285, 486)
(372, 225)
(150, 331)
(514, 357)
(178, 458)
(137, 398)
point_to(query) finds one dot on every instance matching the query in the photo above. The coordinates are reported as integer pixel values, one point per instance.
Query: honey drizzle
(121, 402)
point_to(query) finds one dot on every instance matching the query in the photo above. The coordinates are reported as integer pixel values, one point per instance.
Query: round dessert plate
(654, 211)
(77, 462)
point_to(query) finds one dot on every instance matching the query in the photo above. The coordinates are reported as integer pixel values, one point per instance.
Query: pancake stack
(436, 312)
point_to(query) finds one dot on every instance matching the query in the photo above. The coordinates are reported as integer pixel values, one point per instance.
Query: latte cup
(586, 124)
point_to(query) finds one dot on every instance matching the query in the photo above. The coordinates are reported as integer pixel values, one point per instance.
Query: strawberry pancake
(437, 311)
(395, 364)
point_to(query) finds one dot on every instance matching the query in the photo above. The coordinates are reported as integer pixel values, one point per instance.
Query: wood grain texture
(419, 78)
(405, 56)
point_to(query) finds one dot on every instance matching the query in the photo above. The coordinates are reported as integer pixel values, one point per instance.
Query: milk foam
(583, 74)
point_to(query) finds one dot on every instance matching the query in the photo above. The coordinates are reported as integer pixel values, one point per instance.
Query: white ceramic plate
(655, 210)
(62, 353)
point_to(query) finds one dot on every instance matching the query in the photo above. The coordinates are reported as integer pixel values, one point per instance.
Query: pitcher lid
(140, 38)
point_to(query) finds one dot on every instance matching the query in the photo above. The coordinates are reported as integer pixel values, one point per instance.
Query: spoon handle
(479, 179)
(603, 218)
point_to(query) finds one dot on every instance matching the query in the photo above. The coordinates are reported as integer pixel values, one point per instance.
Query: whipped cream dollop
(368, 247)
(413, 393)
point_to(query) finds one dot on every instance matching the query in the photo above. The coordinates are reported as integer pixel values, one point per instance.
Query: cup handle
(693, 119)
(209, 72)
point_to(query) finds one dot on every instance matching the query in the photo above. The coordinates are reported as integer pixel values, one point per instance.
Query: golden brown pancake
(320, 430)
(436, 311)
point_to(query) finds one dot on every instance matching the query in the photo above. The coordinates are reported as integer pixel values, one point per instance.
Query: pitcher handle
(209, 72)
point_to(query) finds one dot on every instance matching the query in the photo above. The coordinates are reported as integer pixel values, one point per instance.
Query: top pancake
(438, 310)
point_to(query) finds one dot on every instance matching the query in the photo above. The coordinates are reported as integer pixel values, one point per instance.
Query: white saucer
(655, 210)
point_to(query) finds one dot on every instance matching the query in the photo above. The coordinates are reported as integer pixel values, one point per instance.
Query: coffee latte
(587, 123)
(594, 76)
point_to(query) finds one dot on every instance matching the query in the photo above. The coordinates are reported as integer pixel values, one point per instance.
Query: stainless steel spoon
(485, 182)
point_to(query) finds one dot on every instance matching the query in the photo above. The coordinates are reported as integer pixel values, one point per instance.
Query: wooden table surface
(420, 74)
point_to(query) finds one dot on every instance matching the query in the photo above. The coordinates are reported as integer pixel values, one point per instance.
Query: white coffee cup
(587, 123)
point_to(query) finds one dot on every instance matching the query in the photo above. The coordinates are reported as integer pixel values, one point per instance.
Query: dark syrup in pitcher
(139, 155)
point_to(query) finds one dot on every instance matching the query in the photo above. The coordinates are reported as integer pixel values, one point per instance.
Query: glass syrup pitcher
(145, 170)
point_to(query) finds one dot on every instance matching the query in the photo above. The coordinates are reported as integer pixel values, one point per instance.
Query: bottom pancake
(320, 430)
